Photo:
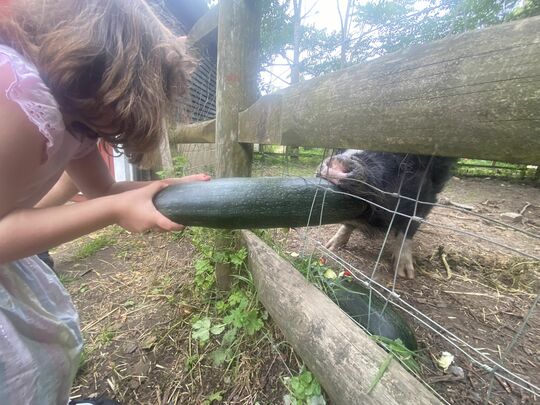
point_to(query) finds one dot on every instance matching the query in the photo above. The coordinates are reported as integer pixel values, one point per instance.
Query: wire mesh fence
(476, 295)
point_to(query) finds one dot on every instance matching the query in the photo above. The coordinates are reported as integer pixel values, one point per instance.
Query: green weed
(179, 168)
(106, 336)
(303, 389)
(65, 279)
(216, 396)
(93, 246)
(231, 319)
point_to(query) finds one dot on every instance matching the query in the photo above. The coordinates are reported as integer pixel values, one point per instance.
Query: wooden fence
(474, 95)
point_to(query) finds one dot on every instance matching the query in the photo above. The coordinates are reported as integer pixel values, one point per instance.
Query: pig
(413, 176)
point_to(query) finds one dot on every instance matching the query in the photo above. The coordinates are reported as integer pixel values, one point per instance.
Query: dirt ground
(136, 300)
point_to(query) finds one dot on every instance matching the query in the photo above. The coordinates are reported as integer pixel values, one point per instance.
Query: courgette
(262, 202)
(384, 321)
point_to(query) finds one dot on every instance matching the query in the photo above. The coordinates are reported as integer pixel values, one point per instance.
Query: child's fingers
(165, 224)
(187, 179)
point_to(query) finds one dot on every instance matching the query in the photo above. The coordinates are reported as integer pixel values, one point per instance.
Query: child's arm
(62, 192)
(26, 231)
(99, 182)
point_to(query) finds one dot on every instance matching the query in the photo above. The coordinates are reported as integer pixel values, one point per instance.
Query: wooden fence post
(236, 89)
(344, 359)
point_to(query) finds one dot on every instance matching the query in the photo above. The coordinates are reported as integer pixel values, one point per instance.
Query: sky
(321, 14)
(324, 14)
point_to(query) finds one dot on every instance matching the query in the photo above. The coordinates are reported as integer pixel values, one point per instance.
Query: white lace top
(30, 92)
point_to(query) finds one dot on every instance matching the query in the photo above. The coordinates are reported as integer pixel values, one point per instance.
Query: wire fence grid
(202, 158)
(496, 369)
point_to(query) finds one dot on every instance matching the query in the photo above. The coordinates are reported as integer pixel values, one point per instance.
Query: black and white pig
(388, 174)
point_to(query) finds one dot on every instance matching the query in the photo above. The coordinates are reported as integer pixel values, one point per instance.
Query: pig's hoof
(335, 243)
(405, 267)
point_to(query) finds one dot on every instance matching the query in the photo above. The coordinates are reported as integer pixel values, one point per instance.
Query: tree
(287, 41)
(386, 26)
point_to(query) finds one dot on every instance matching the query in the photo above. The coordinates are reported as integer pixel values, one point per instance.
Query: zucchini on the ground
(261, 202)
(383, 320)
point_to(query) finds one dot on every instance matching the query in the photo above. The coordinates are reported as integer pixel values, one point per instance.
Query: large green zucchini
(262, 202)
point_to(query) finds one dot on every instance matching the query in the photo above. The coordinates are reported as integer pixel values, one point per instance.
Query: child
(62, 192)
(71, 72)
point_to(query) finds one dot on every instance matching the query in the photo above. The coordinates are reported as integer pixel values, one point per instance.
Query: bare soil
(136, 301)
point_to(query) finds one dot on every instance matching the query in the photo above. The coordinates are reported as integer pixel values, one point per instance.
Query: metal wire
(418, 219)
(448, 207)
(483, 361)
(425, 320)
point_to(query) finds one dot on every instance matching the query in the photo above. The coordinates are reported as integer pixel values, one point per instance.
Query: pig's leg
(341, 237)
(403, 262)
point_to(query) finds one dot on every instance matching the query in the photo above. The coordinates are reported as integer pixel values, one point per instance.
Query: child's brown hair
(111, 63)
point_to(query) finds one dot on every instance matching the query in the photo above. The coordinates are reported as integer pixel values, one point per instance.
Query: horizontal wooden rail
(342, 356)
(205, 27)
(472, 95)
(199, 132)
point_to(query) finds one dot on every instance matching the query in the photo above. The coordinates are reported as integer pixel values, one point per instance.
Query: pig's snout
(334, 169)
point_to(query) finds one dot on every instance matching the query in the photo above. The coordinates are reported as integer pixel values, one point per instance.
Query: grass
(280, 165)
(153, 300)
(487, 168)
(93, 246)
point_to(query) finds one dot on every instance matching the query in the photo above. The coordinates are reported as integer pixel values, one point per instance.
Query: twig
(473, 293)
(504, 384)
(443, 378)
(86, 272)
(446, 266)
(527, 205)
(447, 201)
(99, 320)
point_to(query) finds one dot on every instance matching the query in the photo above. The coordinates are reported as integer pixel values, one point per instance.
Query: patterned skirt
(40, 338)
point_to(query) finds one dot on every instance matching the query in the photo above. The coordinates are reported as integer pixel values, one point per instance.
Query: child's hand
(194, 177)
(135, 210)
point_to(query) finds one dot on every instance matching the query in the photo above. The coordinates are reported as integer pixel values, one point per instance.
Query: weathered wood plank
(472, 95)
(237, 68)
(198, 132)
(343, 358)
(236, 89)
(205, 28)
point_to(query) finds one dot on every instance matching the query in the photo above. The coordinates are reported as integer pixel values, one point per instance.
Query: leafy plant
(241, 316)
(204, 274)
(179, 168)
(202, 329)
(303, 389)
(190, 362)
(106, 335)
(237, 316)
(400, 351)
(216, 396)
